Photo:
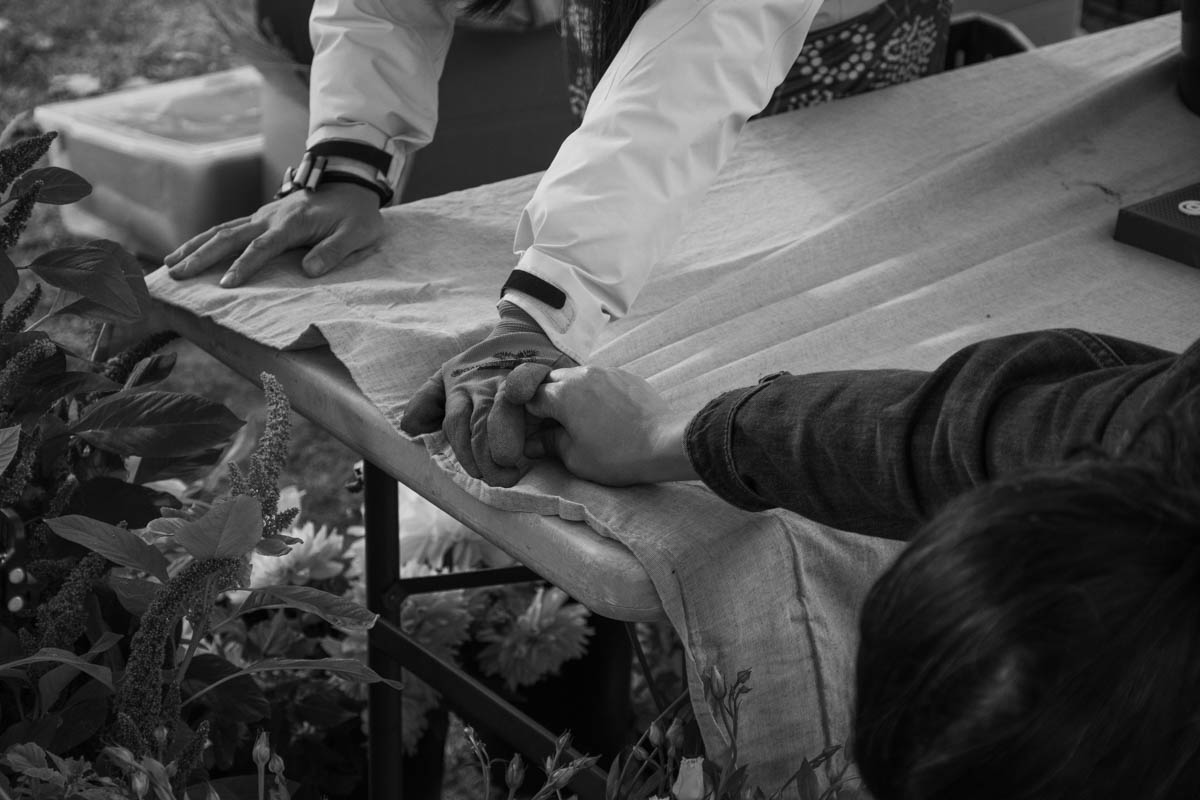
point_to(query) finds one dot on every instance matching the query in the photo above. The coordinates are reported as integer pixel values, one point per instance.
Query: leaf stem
(198, 632)
(102, 338)
(39, 321)
(275, 626)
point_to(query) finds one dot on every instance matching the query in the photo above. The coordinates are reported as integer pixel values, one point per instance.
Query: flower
(262, 750)
(690, 782)
(538, 642)
(320, 556)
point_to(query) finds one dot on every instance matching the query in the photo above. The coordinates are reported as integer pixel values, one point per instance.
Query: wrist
(321, 167)
(514, 319)
(667, 458)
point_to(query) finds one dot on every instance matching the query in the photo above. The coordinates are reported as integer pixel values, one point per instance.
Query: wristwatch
(340, 161)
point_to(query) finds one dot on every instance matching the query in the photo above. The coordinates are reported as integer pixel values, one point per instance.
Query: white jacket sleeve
(375, 72)
(660, 124)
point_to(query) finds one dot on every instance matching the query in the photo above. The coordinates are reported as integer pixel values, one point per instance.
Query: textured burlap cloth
(884, 230)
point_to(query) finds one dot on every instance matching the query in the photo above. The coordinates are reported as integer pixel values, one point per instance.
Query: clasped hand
(610, 426)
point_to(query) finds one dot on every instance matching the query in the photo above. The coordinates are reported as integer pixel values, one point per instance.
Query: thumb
(426, 409)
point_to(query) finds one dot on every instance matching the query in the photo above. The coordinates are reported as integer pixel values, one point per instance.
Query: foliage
(659, 766)
(514, 634)
(110, 683)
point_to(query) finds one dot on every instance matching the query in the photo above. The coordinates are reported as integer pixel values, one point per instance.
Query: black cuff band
(344, 177)
(365, 153)
(535, 287)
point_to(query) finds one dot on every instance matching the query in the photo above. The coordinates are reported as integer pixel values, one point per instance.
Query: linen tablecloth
(888, 229)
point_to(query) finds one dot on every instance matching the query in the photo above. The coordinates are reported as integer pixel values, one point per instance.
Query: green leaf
(343, 667)
(114, 501)
(74, 303)
(10, 279)
(119, 545)
(10, 440)
(238, 698)
(36, 730)
(28, 755)
(92, 272)
(54, 655)
(87, 710)
(156, 424)
(134, 594)
(229, 529)
(53, 682)
(186, 468)
(151, 370)
(59, 186)
(808, 785)
(337, 611)
(64, 384)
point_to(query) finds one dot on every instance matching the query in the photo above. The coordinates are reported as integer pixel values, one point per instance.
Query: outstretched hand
(486, 432)
(336, 220)
(612, 427)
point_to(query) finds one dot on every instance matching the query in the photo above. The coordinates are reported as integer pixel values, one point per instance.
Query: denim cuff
(709, 442)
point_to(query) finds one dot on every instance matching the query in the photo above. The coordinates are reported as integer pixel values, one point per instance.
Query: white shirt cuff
(573, 328)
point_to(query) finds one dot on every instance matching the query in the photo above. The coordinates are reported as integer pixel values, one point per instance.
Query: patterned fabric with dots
(895, 42)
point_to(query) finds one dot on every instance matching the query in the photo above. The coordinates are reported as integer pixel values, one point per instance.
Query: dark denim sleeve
(878, 451)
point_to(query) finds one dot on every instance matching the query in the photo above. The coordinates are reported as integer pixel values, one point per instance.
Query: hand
(338, 219)
(486, 433)
(613, 427)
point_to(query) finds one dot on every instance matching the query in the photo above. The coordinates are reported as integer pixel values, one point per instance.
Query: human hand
(486, 434)
(337, 219)
(613, 427)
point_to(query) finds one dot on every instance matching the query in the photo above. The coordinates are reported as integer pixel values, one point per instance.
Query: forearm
(879, 451)
(375, 71)
(660, 124)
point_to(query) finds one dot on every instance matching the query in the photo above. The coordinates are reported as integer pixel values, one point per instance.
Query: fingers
(506, 431)
(328, 253)
(521, 384)
(457, 427)
(492, 473)
(465, 421)
(191, 245)
(426, 409)
(549, 441)
(255, 255)
(506, 421)
(223, 245)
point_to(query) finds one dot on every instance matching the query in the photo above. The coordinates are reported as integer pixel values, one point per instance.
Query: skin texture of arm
(613, 427)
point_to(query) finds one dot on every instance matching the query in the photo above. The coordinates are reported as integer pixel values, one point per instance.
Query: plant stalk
(198, 632)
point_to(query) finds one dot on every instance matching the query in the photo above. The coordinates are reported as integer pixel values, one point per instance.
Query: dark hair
(612, 22)
(1040, 638)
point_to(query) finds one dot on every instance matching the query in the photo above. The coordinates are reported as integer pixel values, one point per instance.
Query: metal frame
(389, 647)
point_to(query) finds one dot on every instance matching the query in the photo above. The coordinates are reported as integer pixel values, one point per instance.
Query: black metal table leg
(390, 647)
(381, 517)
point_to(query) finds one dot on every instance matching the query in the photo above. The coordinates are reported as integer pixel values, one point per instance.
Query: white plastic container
(166, 161)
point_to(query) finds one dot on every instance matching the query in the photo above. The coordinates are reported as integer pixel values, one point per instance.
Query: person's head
(1040, 638)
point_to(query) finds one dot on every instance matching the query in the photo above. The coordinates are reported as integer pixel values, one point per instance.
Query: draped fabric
(887, 229)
